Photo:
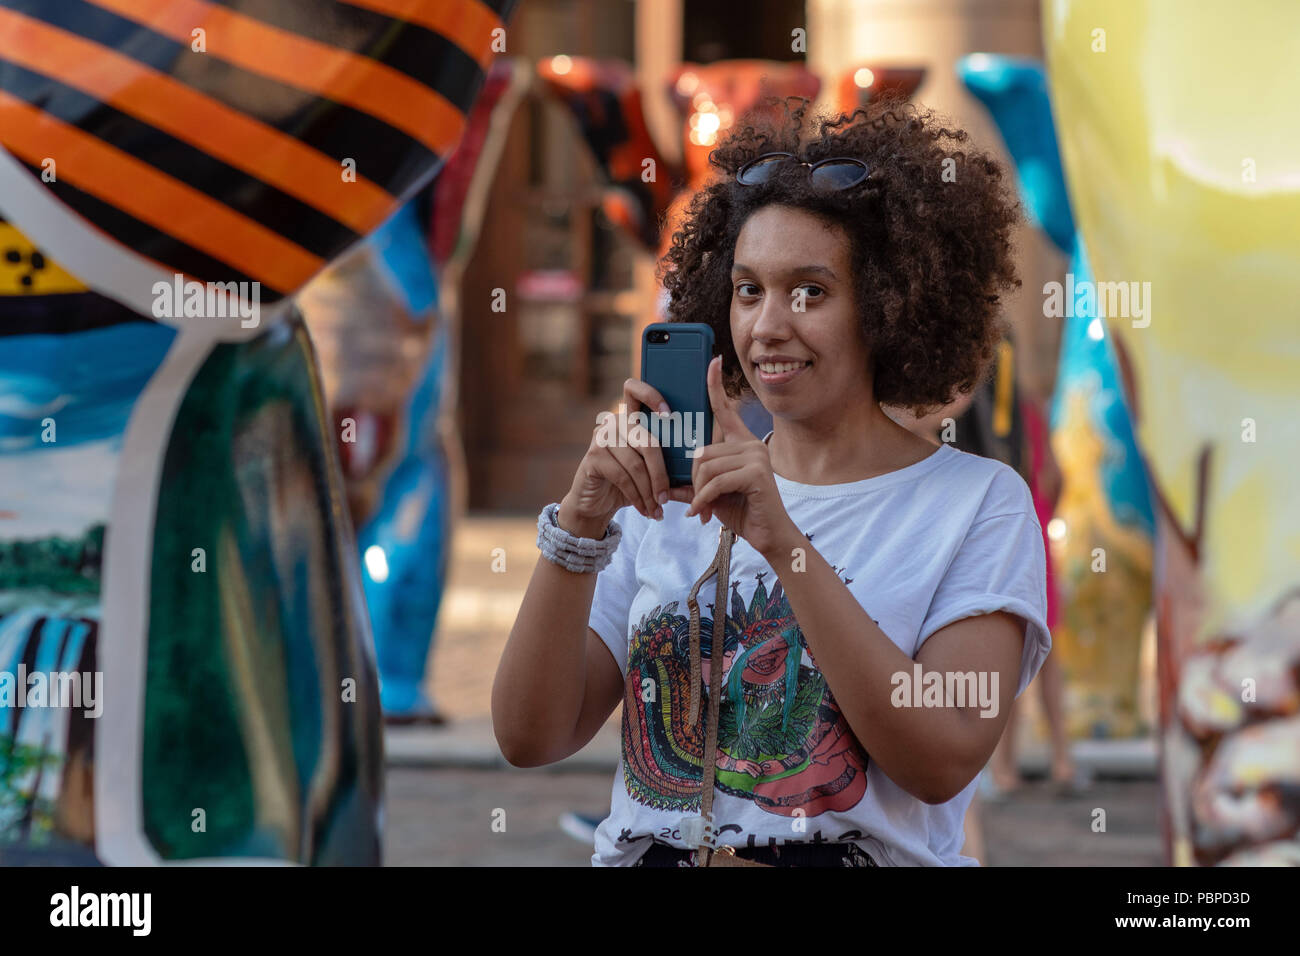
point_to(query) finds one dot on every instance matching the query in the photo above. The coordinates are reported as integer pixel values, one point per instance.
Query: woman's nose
(775, 319)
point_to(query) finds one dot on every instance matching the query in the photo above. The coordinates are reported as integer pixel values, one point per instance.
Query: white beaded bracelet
(579, 555)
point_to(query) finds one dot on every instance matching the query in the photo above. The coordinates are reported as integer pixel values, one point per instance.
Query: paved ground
(1037, 828)
(445, 784)
(444, 817)
(479, 608)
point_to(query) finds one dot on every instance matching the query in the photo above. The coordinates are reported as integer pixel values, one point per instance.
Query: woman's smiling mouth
(778, 372)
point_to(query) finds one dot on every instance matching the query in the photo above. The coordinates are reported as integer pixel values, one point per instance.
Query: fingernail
(659, 514)
(663, 408)
(663, 497)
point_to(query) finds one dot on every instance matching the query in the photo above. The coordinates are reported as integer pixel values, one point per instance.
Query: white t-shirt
(950, 537)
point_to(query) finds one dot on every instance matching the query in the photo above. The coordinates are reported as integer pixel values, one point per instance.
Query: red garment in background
(1036, 430)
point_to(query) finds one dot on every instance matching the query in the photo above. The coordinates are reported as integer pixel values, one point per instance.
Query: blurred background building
(580, 288)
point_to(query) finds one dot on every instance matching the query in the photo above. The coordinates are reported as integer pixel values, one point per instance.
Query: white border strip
(124, 622)
(120, 839)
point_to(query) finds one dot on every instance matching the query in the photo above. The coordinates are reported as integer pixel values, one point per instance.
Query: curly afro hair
(931, 253)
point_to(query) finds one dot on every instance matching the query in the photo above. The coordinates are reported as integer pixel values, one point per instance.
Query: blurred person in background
(998, 421)
(1044, 477)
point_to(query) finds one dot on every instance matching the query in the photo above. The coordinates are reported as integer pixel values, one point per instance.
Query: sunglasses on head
(838, 172)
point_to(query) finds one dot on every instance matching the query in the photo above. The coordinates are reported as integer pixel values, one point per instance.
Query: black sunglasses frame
(760, 162)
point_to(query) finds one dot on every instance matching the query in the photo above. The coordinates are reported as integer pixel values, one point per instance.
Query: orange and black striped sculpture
(173, 532)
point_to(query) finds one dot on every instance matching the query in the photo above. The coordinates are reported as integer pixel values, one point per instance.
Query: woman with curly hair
(885, 599)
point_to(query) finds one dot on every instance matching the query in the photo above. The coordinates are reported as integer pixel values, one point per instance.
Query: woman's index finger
(726, 412)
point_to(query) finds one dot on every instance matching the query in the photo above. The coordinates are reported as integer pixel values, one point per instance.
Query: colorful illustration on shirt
(782, 741)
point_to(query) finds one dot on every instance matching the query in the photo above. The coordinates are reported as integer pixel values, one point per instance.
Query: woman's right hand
(612, 475)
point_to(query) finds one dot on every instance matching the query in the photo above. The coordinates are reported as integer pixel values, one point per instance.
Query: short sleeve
(616, 586)
(1001, 565)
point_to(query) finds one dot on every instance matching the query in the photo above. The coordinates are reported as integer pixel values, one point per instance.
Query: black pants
(791, 854)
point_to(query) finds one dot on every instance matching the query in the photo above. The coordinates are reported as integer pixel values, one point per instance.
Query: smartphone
(675, 360)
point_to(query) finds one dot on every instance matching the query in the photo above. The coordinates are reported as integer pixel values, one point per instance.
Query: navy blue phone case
(678, 369)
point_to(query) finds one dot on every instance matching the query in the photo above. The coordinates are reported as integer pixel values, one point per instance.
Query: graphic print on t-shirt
(782, 741)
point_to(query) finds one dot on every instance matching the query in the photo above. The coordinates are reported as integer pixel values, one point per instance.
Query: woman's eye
(810, 291)
(747, 289)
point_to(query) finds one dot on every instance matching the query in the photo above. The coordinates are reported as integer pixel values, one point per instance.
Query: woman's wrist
(783, 545)
(581, 555)
(580, 527)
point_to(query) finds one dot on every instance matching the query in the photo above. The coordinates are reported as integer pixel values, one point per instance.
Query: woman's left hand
(732, 478)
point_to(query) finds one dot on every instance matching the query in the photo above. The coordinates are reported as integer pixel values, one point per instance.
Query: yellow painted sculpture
(1183, 158)
(1103, 604)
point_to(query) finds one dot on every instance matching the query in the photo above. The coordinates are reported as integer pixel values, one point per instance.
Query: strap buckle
(697, 832)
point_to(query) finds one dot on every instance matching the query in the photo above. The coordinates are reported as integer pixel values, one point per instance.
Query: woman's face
(793, 322)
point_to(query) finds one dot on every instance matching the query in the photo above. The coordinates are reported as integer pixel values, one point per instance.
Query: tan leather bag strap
(722, 567)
